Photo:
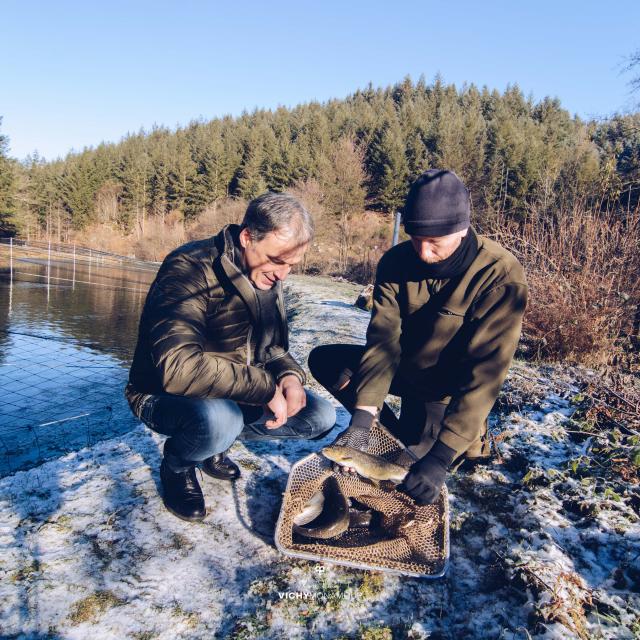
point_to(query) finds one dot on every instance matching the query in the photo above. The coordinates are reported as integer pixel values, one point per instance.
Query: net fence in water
(61, 251)
(68, 320)
(57, 396)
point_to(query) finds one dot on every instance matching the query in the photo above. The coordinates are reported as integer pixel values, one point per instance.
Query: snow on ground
(541, 545)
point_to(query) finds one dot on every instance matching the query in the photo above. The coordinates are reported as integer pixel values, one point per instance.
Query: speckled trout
(366, 464)
(330, 514)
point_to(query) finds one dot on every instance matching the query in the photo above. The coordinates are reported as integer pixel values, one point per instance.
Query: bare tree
(633, 65)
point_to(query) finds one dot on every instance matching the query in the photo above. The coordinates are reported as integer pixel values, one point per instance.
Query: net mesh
(68, 321)
(410, 539)
(57, 396)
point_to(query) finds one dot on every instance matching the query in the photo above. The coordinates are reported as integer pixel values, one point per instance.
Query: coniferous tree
(133, 174)
(250, 181)
(7, 189)
(181, 172)
(619, 142)
(210, 182)
(388, 166)
(518, 158)
(78, 185)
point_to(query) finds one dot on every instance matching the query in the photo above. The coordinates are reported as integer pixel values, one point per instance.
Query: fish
(393, 516)
(398, 516)
(311, 510)
(333, 518)
(359, 518)
(367, 465)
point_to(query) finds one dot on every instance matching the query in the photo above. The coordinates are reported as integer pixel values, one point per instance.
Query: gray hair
(278, 211)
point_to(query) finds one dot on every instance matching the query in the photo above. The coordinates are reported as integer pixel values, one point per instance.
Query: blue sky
(73, 74)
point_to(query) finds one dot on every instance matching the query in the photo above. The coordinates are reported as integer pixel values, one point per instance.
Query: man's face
(270, 259)
(432, 249)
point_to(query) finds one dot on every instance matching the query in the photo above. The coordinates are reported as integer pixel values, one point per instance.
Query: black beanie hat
(437, 204)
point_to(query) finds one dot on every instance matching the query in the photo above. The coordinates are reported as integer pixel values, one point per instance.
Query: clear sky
(73, 74)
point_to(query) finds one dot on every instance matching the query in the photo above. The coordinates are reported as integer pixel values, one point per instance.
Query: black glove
(425, 478)
(356, 435)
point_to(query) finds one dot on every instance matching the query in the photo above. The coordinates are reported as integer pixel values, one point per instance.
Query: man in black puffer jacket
(212, 361)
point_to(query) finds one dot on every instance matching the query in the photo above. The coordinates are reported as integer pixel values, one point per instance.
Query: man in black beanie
(446, 319)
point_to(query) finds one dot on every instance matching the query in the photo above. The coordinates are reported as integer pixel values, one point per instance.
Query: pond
(67, 333)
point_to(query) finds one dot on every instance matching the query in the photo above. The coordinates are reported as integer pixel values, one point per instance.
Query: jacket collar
(226, 242)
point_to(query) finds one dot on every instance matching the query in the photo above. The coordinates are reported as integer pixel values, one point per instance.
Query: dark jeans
(419, 424)
(201, 427)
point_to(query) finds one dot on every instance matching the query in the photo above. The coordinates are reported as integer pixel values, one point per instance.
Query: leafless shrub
(159, 238)
(582, 268)
(216, 216)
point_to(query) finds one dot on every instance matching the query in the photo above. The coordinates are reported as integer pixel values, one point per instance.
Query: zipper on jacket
(249, 345)
(284, 326)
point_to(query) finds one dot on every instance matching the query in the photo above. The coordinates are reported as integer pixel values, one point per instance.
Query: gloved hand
(425, 478)
(356, 435)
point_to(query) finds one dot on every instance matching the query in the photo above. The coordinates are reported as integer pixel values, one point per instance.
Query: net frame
(425, 550)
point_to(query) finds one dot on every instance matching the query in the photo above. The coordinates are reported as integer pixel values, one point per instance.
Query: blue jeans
(201, 427)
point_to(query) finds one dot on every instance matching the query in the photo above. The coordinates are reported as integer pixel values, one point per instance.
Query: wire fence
(68, 323)
(81, 255)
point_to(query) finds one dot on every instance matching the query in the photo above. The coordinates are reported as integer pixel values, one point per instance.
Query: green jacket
(199, 330)
(447, 340)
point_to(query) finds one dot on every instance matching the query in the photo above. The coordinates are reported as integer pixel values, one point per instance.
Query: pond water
(67, 334)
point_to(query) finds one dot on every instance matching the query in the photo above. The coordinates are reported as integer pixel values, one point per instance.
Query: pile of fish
(329, 512)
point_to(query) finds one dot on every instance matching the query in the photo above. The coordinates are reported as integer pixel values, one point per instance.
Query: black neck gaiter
(457, 263)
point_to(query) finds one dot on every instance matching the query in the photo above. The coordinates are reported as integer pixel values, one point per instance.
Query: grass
(248, 628)
(63, 523)
(372, 585)
(27, 572)
(375, 633)
(191, 618)
(93, 606)
(271, 585)
(179, 541)
(250, 465)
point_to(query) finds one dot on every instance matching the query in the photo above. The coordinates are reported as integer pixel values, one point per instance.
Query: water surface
(67, 334)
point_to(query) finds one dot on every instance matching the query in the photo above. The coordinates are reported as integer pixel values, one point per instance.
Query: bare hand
(278, 406)
(294, 394)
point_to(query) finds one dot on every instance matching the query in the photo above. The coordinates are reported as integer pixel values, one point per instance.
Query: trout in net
(326, 513)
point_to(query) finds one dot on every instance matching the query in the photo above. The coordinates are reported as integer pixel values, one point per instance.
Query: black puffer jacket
(199, 330)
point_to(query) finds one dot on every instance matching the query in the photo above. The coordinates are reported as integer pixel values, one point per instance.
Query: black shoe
(219, 466)
(182, 494)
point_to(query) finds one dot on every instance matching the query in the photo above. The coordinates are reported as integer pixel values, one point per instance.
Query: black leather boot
(221, 467)
(182, 493)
